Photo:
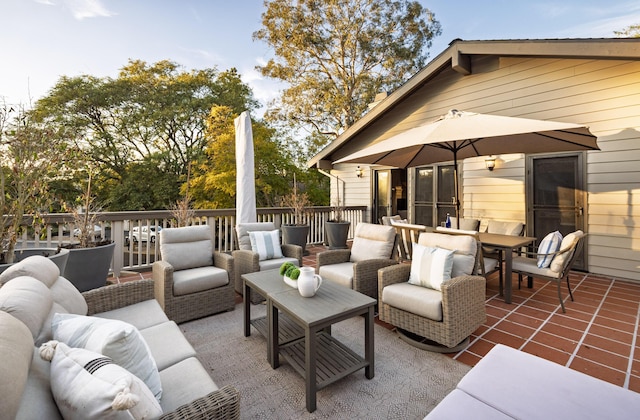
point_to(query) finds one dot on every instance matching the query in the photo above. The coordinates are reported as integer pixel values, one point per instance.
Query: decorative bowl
(290, 282)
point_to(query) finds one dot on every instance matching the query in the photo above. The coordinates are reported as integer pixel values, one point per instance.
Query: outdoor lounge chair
(560, 266)
(446, 317)
(248, 260)
(192, 280)
(374, 247)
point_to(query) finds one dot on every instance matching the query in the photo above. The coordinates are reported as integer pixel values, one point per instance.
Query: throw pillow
(88, 385)
(266, 244)
(549, 245)
(117, 340)
(430, 267)
(568, 242)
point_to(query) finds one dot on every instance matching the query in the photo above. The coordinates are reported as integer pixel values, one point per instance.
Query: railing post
(117, 235)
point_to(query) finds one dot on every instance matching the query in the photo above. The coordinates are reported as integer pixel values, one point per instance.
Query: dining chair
(494, 256)
(560, 266)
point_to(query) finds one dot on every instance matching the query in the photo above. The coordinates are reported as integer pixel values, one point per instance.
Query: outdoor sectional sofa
(32, 291)
(511, 384)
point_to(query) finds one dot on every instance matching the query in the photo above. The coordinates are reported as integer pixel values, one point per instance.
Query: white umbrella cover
(245, 171)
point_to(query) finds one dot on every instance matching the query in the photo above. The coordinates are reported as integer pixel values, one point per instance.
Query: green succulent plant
(293, 272)
(284, 267)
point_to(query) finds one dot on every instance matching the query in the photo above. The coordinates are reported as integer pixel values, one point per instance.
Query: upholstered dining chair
(192, 280)
(259, 249)
(373, 247)
(560, 263)
(492, 255)
(437, 297)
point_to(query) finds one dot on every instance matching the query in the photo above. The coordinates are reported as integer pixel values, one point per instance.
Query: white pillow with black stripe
(87, 385)
(266, 244)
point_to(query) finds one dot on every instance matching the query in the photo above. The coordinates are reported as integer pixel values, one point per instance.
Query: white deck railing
(131, 256)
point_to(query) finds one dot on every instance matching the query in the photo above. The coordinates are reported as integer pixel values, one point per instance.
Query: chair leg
(569, 287)
(560, 297)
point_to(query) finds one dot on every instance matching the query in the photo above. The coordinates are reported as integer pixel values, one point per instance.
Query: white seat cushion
(165, 355)
(530, 265)
(276, 263)
(195, 280)
(341, 273)
(418, 300)
(180, 388)
(141, 315)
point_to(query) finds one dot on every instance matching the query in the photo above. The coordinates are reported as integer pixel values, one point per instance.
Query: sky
(43, 40)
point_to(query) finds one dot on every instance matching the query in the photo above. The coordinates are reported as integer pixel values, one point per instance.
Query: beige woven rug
(408, 382)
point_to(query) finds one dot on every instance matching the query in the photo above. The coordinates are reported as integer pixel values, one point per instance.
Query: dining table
(507, 244)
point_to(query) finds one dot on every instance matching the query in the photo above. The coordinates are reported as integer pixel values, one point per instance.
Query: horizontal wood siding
(603, 94)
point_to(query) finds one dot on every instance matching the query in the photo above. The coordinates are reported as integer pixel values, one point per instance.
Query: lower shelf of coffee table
(287, 329)
(334, 360)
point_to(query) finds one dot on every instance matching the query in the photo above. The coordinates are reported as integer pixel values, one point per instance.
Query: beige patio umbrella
(459, 135)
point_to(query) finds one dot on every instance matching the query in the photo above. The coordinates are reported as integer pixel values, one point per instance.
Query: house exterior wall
(602, 94)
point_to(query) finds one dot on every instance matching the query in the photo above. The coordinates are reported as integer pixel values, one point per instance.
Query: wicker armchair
(460, 305)
(192, 280)
(374, 247)
(247, 261)
(221, 404)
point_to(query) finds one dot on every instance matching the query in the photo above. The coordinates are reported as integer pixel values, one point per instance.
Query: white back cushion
(464, 246)
(559, 260)
(187, 247)
(372, 242)
(505, 228)
(430, 267)
(266, 244)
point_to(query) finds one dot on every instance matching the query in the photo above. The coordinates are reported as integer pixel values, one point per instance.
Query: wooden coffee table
(319, 357)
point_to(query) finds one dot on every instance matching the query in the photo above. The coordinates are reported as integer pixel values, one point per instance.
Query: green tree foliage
(631, 31)
(150, 121)
(213, 183)
(335, 55)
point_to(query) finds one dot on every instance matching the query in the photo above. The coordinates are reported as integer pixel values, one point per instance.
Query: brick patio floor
(597, 335)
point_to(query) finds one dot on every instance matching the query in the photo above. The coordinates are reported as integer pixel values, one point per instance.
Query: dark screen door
(556, 196)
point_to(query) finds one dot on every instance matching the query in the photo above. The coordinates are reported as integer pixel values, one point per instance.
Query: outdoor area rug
(408, 382)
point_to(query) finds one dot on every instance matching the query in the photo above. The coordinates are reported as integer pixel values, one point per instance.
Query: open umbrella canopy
(459, 135)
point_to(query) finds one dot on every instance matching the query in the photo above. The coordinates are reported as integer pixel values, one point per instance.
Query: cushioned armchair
(251, 256)
(444, 302)
(192, 280)
(559, 266)
(373, 247)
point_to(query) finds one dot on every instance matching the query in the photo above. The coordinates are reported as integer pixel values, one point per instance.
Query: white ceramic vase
(308, 282)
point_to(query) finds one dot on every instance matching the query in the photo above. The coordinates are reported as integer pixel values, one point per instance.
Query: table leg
(247, 309)
(310, 348)
(508, 263)
(369, 350)
(273, 350)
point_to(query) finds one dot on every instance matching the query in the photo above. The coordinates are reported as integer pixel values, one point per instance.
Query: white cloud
(82, 9)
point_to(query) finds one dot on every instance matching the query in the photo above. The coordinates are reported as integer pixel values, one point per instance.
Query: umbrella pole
(455, 187)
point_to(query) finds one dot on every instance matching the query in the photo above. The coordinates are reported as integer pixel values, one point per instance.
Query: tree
(150, 118)
(213, 183)
(335, 55)
(631, 31)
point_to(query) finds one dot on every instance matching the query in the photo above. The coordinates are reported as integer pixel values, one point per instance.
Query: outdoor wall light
(490, 163)
(359, 172)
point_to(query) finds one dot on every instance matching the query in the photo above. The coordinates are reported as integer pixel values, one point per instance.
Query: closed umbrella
(245, 171)
(459, 135)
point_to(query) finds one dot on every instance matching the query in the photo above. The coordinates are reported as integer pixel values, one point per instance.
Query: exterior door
(434, 191)
(390, 196)
(556, 196)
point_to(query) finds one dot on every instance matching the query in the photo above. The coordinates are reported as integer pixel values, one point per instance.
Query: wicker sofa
(32, 291)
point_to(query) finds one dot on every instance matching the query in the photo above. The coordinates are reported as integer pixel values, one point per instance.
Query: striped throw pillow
(266, 244)
(549, 245)
(430, 267)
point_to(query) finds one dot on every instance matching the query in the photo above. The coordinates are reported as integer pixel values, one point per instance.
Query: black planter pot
(296, 235)
(59, 257)
(88, 268)
(336, 234)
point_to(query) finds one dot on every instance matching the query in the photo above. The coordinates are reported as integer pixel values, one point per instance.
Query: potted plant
(30, 154)
(89, 258)
(297, 232)
(336, 230)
